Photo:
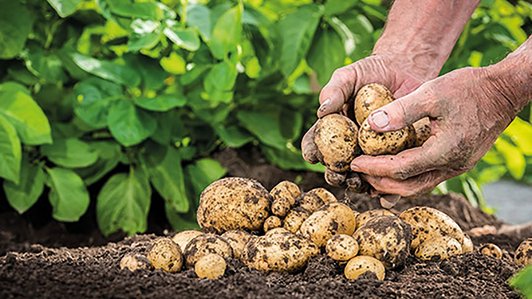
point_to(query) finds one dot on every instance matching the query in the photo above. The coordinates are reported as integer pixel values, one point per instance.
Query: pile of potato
(281, 230)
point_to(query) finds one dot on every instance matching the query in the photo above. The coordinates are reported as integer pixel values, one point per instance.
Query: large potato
(342, 247)
(335, 218)
(523, 253)
(336, 140)
(360, 265)
(278, 250)
(182, 238)
(427, 223)
(237, 239)
(292, 222)
(316, 198)
(370, 98)
(233, 203)
(206, 244)
(210, 266)
(385, 143)
(438, 248)
(386, 238)
(364, 217)
(164, 254)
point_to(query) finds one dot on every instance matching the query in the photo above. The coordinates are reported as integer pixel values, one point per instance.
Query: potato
(284, 195)
(364, 217)
(422, 131)
(237, 239)
(342, 247)
(292, 222)
(370, 98)
(360, 265)
(233, 203)
(207, 244)
(272, 222)
(492, 250)
(438, 248)
(134, 262)
(182, 238)
(467, 245)
(332, 219)
(385, 143)
(335, 179)
(336, 140)
(316, 198)
(386, 238)
(210, 266)
(523, 253)
(278, 250)
(427, 223)
(165, 255)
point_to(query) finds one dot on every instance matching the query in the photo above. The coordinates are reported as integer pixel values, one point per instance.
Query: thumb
(401, 112)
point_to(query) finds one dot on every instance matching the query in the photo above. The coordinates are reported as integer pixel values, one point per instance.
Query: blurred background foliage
(122, 101)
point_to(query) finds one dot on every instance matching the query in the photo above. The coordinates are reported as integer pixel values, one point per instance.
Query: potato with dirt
(523, 253)
(284, 196)
(204, 245)
(183, 238)
(134, 262)
(210, 266)
(490, 249)
(336, 141)
(438, 248)
(342, 248)
(272, 222)
(233, 203)
(386, 238)
(364, 265)
(364, 217)
(316, 198)
(369, 98)
(292, 222)
(332, 219)
(467, 245)
(166, 255)
(278, 250)
(427, 222)
(237, 239)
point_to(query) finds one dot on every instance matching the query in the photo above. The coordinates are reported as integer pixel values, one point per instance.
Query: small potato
(292, 222)
(523, 253)
(237, 239)
(233, 203)
(492, 250)
(335, 179)
(207, 244)
(384, 143)
(360, 265)
(438, 248)
(134, 262)
(386, 238)
(467, 245)
(336, 140)
(428, 222)
(278, 250)
(165, 255)
(182, 238)
(422, 130)
(210, 266)
(272, 222)
(285, 195)
(316, 198)
(364, 217)
(342, 247)
(335, 218)
(369, 98)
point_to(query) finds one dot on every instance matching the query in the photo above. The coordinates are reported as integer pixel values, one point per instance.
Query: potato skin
(335, 218)
(492, 250)
(210, 266)
(336, 140)
(237, 239)
(467, 245)
(422, 131)
(272, 222)
(134, 262)
(427, 222)
(207, 244)
(342, 247)
(438, 248)
(360, 265)
(384, 143)
(278, 250)
(165, 255)
(369, 98)
(523, 253)
(364, 217)
(233, 203)
(386, 238)
(293, 220)
(284, 195)
(316, 198)
(182, 238)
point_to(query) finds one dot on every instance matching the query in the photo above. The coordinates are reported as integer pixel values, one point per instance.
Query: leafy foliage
(136, 95)
(523, 282)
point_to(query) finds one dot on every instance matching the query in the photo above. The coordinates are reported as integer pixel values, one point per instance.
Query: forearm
(422, 34)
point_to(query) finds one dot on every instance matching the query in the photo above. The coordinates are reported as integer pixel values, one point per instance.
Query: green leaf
(64, 8)
(289, 158)
(10, 151)
(108, 157)
(117, 73)
(199, 17)
(520, 132)
(265, 125)
(70, 153)
(47, 66)
(124, 202)
(163, 102)
(326, 54)
(93, 99)
(138, 42)
(334, 7)
(25, 115)
(297, 30)
(227, 32)
(179, 221)
(25, 194)
(233, 136)
(166, 175)
(174, 64)
(203, 172)
(220, 81)
(515, 161)
(523, 281)
(16, 22)
(68, 194)
(143, 10)
(128, 124)
(185, 38)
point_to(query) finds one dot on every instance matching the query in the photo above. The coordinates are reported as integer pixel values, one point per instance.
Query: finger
(406, 164)
(388, 201)
(403, 111)
(308, 147)
(337, 91)
(416, 185)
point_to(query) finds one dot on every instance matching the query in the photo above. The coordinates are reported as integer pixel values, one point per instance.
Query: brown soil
(31, 270)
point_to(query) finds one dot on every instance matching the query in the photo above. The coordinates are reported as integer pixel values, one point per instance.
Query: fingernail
(380, 118)
(325, 104)
(389, 201)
